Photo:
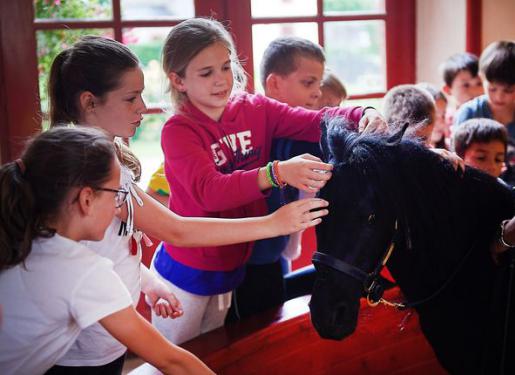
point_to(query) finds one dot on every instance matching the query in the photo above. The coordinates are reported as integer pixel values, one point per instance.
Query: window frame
(19, 100)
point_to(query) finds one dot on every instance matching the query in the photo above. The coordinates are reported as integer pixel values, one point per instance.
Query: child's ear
(85, 200)
(177, 82)
(272, 85)
(87, 101)
(446, 89)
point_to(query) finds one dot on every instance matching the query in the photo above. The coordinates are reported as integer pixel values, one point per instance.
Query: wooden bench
(283, 341)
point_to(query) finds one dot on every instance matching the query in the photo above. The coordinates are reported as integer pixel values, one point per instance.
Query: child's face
(329, 98)
(465, 87)
(501, 97)
(120, 112)
(302, 86)
(488, 157)
(441, 127)
(208, 80)
(104, 205)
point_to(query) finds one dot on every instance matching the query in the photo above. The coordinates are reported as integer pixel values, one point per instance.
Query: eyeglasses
(120, 195)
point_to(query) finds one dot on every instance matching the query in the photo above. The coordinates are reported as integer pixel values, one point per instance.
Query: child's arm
(198, 180)
(163, 224)
(133, 331)
(158, 296)
(302, 124)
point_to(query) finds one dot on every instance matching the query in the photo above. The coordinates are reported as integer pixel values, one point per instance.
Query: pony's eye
(371, 218)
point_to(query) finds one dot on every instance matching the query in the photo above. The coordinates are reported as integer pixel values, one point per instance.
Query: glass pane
(262, 35)
(147, 44)
(49, 44)
(336, 7)
(377, 103)
(355, 51)
(283, 8)
(157, 9)
(146, 144)
(73, 9)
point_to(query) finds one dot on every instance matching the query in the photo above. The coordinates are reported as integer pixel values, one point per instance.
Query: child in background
(461, 82)
(333, 91)
(98, 82)
(413, 104)
(158, 186)
(497, 70)
(482, 144)
(291, 72)
(66, 188)
(441, 131)
(216, 150)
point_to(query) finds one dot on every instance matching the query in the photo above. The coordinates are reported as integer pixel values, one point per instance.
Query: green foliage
(148, 51)
(349, 5)
(51, 42)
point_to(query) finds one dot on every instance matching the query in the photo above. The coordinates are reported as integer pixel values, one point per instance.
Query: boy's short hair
(408, 103)
(457, 63)
(280, 55)
(497, 62)
(477, 130)
(333, 83)
(433, 91)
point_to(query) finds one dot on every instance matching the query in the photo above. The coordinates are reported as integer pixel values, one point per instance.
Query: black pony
(388, 193)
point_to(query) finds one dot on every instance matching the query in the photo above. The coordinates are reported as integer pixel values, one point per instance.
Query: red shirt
(213, 166)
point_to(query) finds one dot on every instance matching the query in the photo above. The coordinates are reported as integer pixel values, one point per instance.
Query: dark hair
(497, 62)
(463, 61)
(432, 90)
(477, 130)
(33, 188)
(187, 40)
(281, 54)
(408, 103)
(94, 64)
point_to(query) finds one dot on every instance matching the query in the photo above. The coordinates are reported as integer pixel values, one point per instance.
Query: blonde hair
(187, 40)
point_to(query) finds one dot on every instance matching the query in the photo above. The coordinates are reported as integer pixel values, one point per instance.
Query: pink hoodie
(213, 166)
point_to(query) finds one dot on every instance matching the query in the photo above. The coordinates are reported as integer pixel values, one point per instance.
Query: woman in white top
(65, 189)
(97, 82)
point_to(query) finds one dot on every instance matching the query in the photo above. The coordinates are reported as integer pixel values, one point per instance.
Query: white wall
(498, 17)
(441, 32)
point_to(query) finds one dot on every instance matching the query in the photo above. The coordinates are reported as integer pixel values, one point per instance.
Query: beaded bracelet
(276, 175)
(269, 175)
(501, 236)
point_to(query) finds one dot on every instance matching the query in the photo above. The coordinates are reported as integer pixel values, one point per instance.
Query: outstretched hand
(299, 215)
(453, 158)
(163, 301)
(305, 172)
(372, 122)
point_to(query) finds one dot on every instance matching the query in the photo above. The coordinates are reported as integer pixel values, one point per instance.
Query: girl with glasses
(58, 193)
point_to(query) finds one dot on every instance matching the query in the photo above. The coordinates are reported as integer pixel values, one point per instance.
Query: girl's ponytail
(17, 215)
(63, 109)
(33, 189)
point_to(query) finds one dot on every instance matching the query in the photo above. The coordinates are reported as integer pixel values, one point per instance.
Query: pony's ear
(324, 146)
(396, 138)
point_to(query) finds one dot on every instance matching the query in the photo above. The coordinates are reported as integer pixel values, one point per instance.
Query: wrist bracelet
(276, 175)
(501, 236)
(365, 108)
(269, 176)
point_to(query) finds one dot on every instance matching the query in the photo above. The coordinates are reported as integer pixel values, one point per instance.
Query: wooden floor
(387, 341)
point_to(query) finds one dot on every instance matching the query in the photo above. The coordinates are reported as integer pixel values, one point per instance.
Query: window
(369, 43)
(140, 24)
(354, 34)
